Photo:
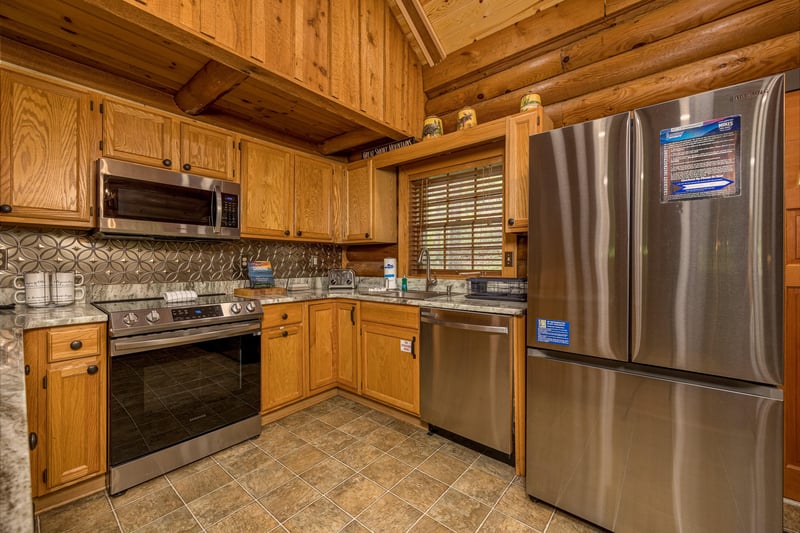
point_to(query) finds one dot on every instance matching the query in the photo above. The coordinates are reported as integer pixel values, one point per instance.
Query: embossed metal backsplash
(115, 261)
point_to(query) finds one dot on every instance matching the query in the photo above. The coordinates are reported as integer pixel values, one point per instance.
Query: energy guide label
(701, 160)
(552, 331)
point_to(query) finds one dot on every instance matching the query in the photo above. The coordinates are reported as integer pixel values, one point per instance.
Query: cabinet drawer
(74, 341)
(406, 316)
(280, 314)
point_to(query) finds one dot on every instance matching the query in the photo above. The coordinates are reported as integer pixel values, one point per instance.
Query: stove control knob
(152, 317)
(250, 306)
(236, 308)
(130, 319)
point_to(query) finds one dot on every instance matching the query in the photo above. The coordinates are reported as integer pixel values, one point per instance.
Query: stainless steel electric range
(184, 382)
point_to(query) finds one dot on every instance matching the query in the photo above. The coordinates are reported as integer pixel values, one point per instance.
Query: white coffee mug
(37, 289)
(64, 286)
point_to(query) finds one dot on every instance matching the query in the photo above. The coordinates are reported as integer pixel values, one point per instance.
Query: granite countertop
(16, 510)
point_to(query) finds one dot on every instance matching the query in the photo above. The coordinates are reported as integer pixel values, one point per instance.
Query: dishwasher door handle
(461, 325)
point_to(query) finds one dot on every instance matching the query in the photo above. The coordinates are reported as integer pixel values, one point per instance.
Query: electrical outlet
(314, 260)
(243, 264)
(3, 259)
(509, 259)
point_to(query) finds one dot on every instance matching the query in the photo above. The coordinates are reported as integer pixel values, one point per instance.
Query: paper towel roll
(390, 272)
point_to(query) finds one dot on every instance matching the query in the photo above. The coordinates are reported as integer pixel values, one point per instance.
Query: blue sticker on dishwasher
(552, 331)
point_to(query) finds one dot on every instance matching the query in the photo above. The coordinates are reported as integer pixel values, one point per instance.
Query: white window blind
(458, 217)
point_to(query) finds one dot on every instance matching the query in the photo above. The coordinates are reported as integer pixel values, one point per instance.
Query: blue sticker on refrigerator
(552, 331)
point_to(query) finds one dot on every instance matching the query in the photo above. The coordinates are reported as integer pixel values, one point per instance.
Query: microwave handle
(218, 211)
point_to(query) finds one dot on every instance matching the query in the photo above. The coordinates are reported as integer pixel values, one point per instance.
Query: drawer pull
(284, 316)
(76, 345)
(353, 315)
(413, 342)
(285, 333)
(92, 370)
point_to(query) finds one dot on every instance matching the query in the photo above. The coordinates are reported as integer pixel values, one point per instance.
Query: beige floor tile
(566, 523)
(516, 504)
(386, 471)
(414, 451)
(460, 452)
(277, 441)
(358, 408)
(87, 514)
(312, 430)
(327, 474)
(791, 516)
(289, 498)
(380, 418)
(443, 467)
(356, 494)
(426, 524)
(333, 441)
(136, 492)
(190, 469)
(320, 408)
(389, 514)
(250, 519)
(150, 507)
(339, 417)
(419, 489)
(178, 521)
(494, 467)
(242, 463)
(355, 527)
(360, 427)
(404, 427)
(228, 453)
(295, 420)
(384, 438)
(459, 512)
(266, 479)
(482, 486)
(497, 522)
(216, 505)
(197, 485)
(358, 455)
(303, 458)
(322, 516)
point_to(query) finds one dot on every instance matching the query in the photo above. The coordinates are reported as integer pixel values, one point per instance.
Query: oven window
(163, 397)
(157, 202)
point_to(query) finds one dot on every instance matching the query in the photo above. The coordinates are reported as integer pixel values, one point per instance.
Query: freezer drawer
(632, 452)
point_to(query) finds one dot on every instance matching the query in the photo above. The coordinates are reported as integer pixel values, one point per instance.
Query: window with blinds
(458, 217)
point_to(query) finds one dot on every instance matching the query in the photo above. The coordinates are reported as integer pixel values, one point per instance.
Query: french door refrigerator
(655, 317)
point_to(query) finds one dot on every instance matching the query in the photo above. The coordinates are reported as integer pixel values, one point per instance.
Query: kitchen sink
(405, 295)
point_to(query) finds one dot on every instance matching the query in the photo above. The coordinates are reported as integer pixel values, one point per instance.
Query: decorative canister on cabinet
(431, 127)
(466, 118)
(530, 102)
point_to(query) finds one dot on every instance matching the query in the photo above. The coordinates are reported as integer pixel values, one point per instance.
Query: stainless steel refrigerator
(655, 315)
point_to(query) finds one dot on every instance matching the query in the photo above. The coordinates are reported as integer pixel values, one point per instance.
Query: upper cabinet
(286, 194)
(143, 135)
(517, 160)
(369, 204)
(47, 138)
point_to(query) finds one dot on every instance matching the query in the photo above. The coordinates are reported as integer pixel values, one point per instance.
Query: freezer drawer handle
(468, 327)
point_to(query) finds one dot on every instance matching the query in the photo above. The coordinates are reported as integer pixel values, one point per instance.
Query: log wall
(616, 56)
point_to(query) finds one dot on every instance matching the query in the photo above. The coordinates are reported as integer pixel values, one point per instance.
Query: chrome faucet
(429, 283)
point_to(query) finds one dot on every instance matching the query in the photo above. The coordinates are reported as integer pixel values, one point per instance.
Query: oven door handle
(468, 327)
(141, 344)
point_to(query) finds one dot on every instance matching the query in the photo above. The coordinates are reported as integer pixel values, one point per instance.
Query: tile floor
(335, 466)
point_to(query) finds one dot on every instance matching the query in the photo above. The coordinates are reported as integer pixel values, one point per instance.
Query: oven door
(166, 388)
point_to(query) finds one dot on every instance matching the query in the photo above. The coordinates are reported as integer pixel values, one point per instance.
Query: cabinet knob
(285, 333)
(187, 167)
(284, 316)
(510, 221)
(92, 370)
(33, 440)
(27, 370)
(5, 208)
(366, 235)
(286, 232)
(167, 162)
(299, 233)
(76, 345)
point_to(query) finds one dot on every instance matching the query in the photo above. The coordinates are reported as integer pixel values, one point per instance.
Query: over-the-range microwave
(137, 200)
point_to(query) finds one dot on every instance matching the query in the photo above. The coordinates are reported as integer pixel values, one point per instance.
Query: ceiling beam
(208, 85)
(349, 140)
(420, 27)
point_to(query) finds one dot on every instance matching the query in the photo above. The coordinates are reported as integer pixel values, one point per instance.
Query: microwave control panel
(230, 210)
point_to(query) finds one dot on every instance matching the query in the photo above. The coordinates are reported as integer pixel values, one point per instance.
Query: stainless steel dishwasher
(465, 375)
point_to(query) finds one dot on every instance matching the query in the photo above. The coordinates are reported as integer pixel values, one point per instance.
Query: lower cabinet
(282, 356)
(390, 355)
(347, 368)
(333, 346)
(66, 396)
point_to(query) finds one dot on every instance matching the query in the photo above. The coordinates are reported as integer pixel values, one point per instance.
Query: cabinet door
(281, 366)
(48, 140)
(358, 202)
(321, 346)
(267, 187)
(76, 420)
(347, 346)
(313, 183)
(138, 134)
(390, 369)
(515, 202)
(207, 151)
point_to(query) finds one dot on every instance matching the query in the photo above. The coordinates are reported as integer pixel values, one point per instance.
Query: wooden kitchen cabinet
(517, 160)
(390, 355)
(321, 346)
(48, 138)
(282, 356)
(347, 360)
(369, 204)
(142, 135)
(313, 196)
(66, 391)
